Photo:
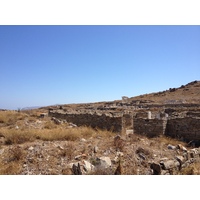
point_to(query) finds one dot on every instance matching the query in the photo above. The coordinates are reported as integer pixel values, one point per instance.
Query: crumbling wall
(92, 120)
(175, 166)
(184, 128)
(149, 127)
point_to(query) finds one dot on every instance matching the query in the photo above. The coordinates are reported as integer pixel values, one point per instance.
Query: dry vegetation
(33, 145)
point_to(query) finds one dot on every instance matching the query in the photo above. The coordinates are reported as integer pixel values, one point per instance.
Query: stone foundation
(92, 120)
(185, 128)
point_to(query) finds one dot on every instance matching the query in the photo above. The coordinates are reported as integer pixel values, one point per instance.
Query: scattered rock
(79, 157)
(118, 171)
(95, 149)
(76, 169)
(181, 161)
(88, 167)
(30, 148)
(1, 151)
(107, 152)
(171, 147)
(141, 155)
(83, 140)
(56, 121)
(181, 147)
(105, 162)
(120, 154)
(60, 147)
(2, 140)
(156, 168)
(169, 164)
(71, 125)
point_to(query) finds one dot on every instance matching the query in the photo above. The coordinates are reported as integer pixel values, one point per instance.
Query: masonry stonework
(92, 120)
(184, 128)
(184, 124)
(149, 127)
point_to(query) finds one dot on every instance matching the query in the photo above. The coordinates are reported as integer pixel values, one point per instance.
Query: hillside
(189, 93)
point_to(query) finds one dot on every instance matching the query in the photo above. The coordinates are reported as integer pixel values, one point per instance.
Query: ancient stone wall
(149, 127)
(184, 128)
(92, 120)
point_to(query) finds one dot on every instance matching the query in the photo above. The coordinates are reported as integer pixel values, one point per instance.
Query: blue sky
(46, 65)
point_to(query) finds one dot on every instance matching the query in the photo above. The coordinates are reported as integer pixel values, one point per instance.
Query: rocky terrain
(32, 142)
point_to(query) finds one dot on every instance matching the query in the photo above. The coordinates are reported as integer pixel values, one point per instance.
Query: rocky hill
(189, 93)
(185, 94)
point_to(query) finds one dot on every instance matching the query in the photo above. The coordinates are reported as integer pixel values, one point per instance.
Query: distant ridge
(30, 108)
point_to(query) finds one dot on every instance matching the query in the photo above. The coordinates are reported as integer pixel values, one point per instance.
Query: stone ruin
(178, 121)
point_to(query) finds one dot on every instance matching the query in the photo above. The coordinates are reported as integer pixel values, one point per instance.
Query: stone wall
(92, 120)
(149, 127)
(184, 128)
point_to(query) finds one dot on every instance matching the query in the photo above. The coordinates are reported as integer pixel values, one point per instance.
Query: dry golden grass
(13, 136)
(50, 125)
(20, 136)
(11, 117)
(49, 131)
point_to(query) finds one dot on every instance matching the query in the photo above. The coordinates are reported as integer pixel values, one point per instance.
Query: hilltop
(188, 93)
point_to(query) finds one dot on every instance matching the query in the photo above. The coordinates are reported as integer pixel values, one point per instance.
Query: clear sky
(47, 65)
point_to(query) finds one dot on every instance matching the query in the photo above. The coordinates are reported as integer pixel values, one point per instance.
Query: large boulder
(169, 164)
(102, 162)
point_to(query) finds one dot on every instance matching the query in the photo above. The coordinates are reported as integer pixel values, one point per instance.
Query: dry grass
(8, 118)
(12, 168)
(193, 169)
(69, 150)
(12, 165)
(14, 136)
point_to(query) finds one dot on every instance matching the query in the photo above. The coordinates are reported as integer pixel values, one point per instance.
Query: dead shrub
(16, 154)
(70, 150)
(50, 125)
(142, 150)
(119, 143)
(11, 168)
